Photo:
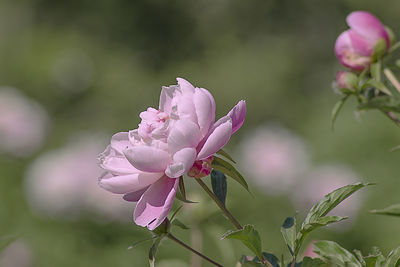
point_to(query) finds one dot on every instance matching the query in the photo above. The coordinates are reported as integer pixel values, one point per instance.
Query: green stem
(390, 76)
(170, 236)
(219, 204)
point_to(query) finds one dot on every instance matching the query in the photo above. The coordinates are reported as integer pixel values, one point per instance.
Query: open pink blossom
(145, 164)
(354, 47)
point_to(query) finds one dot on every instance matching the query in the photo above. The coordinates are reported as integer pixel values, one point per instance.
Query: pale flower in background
(273, 158)
(323, 180)
(17, 254)
(64, 183)
(23, 123)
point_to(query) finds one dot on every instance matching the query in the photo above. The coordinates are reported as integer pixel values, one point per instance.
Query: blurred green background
(94, 65)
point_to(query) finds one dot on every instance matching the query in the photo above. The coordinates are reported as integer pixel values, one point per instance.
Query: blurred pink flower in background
(309, 251)
(64, 183)
(23, 123)
(17, 254)
(273, 158)
(145, 164)
(354, 47)
(323, 180)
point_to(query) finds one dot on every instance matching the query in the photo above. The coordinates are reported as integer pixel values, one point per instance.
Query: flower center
(201, 168)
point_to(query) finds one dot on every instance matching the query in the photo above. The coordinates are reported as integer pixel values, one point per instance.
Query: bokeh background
(72, 73)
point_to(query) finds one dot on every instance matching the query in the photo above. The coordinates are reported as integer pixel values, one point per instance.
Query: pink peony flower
(273, 158)
(145, 164)
(23, 123)
(63, 183)
(354, 47)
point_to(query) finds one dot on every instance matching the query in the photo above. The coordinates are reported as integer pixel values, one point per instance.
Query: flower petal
(155, 203)
(182, 161)
(183, 134)
(238, 114)
(120, 141)
(134, 196)
(367, 25)
(217, 139)
(205, 110)
(123, 184)
(147, 158)
(166, 96)
(185, 85)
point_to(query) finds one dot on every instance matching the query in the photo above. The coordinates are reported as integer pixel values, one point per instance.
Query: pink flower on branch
(179, 137)
(355, 46)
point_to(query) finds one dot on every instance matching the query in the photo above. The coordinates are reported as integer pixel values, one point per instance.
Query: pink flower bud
(355, 46)
(346, 80)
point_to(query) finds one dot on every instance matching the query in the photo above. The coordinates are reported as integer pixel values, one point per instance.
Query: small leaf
(335, 111)
(392, 210)
(376, 70)
(316, 216)
(225, 167)
(179, 224)
(219, 185)
(393, 259)
(141, 241)
(153, 251)
(249, 237)
(313, 262)
(378, 85)
(288, 230)
(379, 49)
(335, 254)
(181, 198)
(226, 155)
(271, 258)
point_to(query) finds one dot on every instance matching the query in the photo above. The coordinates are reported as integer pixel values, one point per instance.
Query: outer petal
(167, 94)
(205, 110)
(367, 25)
(217, 139)
(147, 158)
(185, 85)
(156, 202)
(183, 161)
(123, 184)
(120, 141)
(134, 196)
(184, 133)
(238, 114)
(117, 165)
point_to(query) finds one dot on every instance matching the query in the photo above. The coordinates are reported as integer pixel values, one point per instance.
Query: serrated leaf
(313, 262)
(227, 168)
(336, 108)
(392, 210)
(335, 255)
(153, 251)
(226, 155)
(393, 259)
(316, 216)
(288, 230)
(180, 224)
(249, 237)
(219, 185)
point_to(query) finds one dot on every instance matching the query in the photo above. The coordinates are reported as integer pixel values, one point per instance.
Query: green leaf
(359, 256)
(378, 85)
(225, 167)
(179, 224)
(393, 259)
(249, 237)
(335, 255)
(153, 251)
(384, 103)
(376, 70)
(226, 155)
(181, 198)
(219, 185)
(392, 210)
(375, 258)
(316, 216)
(313, 262)
(335, 111)
(271, 258)
(141, 241)
(288, 230)
(379, 49)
